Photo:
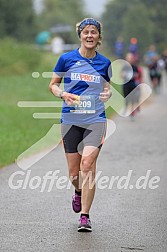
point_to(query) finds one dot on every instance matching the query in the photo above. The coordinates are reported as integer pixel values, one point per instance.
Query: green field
(18, 129)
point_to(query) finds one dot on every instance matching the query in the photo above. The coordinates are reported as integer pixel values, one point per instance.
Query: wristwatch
(61, 94)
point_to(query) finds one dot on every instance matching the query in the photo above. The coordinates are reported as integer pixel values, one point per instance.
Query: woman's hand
(105, 95)
(70, 99)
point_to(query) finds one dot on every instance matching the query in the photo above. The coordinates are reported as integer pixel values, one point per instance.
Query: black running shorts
(76, 137)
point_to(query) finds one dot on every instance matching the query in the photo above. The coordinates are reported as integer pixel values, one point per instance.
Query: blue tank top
(85, 78)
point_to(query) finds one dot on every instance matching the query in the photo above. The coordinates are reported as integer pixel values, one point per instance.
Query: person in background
(86, 76)
(133, 48)
(152, 61)
(138, 80)
(119, 47)
(150, 54)
(164, 58)
(131, 81)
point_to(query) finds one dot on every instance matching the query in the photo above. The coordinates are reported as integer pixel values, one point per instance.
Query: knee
(87, 166)
(73, 172)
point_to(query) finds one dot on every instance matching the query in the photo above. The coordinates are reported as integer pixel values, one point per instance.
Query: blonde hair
(97, 24)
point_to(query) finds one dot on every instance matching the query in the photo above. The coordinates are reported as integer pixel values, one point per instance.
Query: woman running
(86, 76)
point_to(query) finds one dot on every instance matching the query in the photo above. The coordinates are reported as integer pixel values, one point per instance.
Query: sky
(38, 5)
(95, 7)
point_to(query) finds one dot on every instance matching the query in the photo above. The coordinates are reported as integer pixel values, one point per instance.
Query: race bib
(85, 105)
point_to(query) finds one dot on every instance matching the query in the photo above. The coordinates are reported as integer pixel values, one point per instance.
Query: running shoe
(76, 203)
(84, 225)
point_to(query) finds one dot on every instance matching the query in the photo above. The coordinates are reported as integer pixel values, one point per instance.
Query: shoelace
(77, 199)
(84, 220)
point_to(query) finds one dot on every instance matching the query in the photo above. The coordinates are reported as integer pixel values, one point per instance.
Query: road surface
(123, 220)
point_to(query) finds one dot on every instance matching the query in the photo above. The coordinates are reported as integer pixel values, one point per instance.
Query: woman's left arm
(106, 93)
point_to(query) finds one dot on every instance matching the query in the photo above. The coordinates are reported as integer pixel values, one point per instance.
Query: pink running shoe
(76, 203)
(84, 225)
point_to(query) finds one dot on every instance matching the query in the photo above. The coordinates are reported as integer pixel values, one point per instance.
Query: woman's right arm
(58, 92)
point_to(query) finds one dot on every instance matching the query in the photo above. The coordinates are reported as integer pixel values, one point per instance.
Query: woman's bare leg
(88, 172)
(74, 160)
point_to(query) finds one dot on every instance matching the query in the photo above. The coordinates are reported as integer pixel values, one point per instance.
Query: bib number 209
(86, 105)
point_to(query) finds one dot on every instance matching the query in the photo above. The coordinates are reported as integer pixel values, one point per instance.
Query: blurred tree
(136, 23)
(112, 21)
(61, 12)
(17, 19)
(144, 19)
(157, 12)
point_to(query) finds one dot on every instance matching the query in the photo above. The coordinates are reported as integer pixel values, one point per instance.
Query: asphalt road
(122, 219)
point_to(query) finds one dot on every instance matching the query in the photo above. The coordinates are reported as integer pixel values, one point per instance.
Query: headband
(89, 21)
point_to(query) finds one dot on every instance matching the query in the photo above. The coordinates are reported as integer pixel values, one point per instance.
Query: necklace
(90, 59)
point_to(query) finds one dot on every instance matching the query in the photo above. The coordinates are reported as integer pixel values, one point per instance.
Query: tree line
(144, 19)
(19, 20)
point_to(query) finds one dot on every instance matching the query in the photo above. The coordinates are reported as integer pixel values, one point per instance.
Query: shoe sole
(84, 229)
